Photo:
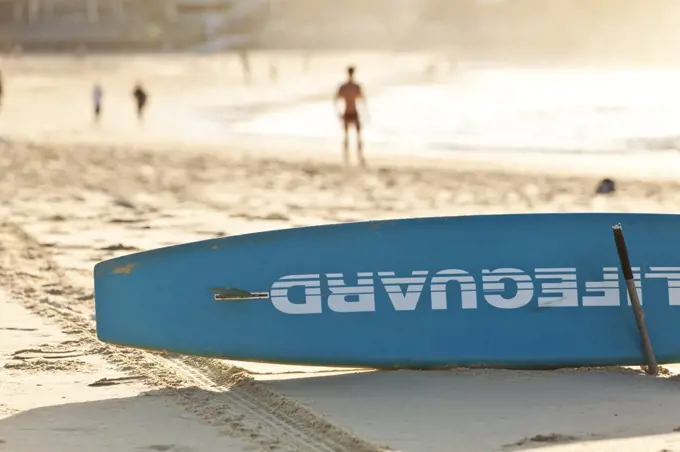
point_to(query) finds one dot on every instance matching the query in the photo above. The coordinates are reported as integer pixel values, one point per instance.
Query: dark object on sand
(605, 186)
(140, 98)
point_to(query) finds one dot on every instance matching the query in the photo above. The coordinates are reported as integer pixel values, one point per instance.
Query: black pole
(652, 366)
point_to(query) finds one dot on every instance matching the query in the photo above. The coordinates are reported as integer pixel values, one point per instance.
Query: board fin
(234, 294)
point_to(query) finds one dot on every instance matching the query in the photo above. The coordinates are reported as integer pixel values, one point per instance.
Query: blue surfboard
(521, 290)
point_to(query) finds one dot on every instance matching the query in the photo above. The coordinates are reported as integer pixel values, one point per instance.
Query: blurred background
(523, 75)
(546, 30)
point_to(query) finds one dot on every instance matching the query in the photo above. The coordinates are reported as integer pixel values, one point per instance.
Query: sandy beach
(73, 193)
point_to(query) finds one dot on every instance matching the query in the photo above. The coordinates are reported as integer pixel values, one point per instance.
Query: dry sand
(72, 195)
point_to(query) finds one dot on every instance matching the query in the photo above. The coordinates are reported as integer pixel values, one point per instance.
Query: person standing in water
(141, 98)
(350, 92)
(97, 95)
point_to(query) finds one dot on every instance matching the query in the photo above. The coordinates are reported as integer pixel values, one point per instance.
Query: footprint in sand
(119, 247)
(44, 365)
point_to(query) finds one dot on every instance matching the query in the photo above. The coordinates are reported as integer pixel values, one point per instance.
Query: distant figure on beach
(350, 92)
(1, 88)
(97, 95)
(273, 72)
(245, 64)
(141, 98)
(430, 71)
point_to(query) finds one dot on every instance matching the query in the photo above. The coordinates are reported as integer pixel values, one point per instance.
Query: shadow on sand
(494, 410)
(149, 422)
(476, 410)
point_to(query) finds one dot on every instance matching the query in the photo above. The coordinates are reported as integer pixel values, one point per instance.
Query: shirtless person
(351, 92)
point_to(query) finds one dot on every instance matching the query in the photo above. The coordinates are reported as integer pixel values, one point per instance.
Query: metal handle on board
(234, 294)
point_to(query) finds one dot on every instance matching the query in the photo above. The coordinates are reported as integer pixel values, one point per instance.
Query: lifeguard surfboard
(521, 290)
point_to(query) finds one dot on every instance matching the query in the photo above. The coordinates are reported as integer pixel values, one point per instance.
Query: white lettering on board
(344, 298)
(281, 288)
(672, 275)
(404, 299)
(493, 283)
(565, 291)
(439, 284)
(608, 288)
(502, 288)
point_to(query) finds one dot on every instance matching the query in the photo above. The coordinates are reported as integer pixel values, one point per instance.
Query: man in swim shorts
(350, 92)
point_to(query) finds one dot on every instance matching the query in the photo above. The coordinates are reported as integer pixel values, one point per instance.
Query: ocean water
(543, 110)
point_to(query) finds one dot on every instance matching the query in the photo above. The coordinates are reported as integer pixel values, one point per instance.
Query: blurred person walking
(141, 98)
(97, 96)
(350, 93)
(244, 56)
